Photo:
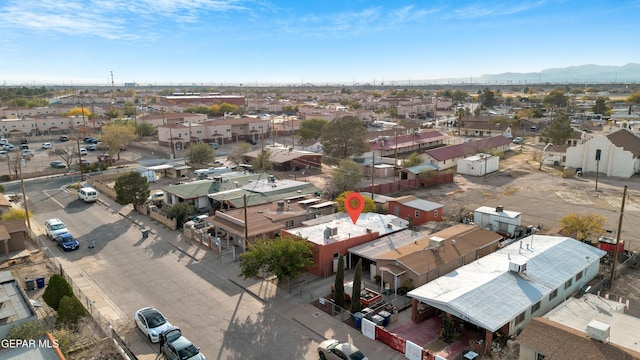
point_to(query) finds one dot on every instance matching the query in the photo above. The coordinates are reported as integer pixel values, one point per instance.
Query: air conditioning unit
(333, 230)
(599, 331)
(435, 242)
(518, 267)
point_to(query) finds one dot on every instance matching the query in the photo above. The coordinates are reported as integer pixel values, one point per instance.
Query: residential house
(590, 327)
(504, 222)
(267, 220)
(265, 189)
(504, 290)
(404, 141)
(288, 159)
(414, 172)
(416, 211)
(5, 205)
(483, 127)
(434, 254)
(554, 155)
(196, 193)
(187, 99)
(15, 306)
(448, 156)
(616, 154)
(333, 235)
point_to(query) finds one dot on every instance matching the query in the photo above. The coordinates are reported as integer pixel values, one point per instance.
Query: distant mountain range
(573, 74)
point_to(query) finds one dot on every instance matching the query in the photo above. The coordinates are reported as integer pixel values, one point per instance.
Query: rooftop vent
(280, 205)
(333, 230)
(271, 178)
(499, 208)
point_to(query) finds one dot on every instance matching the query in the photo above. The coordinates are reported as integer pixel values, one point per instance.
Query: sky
(256, 42)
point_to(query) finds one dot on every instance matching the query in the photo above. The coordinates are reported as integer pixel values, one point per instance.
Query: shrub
(70, 311)
(57, 288)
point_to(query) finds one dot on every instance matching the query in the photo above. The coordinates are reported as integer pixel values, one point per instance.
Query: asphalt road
(212, 311)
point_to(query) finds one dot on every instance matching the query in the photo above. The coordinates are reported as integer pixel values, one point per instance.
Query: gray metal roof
(476, 292)
(374, 249)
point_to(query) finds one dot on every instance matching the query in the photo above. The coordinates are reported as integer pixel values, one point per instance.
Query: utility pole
(24, 194)
(246, 224)
(373, 171)
(615, 251)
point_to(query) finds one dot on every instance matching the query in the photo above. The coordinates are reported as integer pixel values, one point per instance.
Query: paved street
(227, 316)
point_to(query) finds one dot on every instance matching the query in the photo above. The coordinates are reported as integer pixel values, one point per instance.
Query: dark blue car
(67, 242)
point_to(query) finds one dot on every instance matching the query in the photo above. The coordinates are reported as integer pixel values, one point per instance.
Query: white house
(478, 165)
(504, 290)
(498, 219)
(619, 154)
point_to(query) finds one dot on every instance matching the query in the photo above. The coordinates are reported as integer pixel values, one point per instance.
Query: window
(417, 213)
(520, 318)
(535, 307)
(568, 284)
(288, 224)
(539, 356)
(579, 276)
(435, 213)
(553, 294)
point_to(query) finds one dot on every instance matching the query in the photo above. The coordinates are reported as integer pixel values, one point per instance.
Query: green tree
(458, 96)
(356, 306)
(584, 226)
(346, 177)
(555, 98)
(286, 258)
(369, 204)
(338, 293)
(201, 153)
(129, 109)
(413, 160)
(112, 113)
(344, 137)
(311, 128)
(70, 311)
(226, 108)
(600, 106)
(131, 188)
(262, 161)
(57, 288)
(558, 131)
(487, 98)
(145, 129)
(117, 135)
(180, 211)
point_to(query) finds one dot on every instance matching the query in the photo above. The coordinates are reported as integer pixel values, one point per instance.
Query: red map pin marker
(354, 203)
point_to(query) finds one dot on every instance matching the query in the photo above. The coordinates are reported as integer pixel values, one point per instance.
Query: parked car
(64, 138)
(92, 147)
(178, 347)
(58, 164)
(105, 158)
(334, 349)
(84, 162)
(152, 323)
(67, 242)
(197, 222)
(518, 140)
(9, 147)
(83, 151)
(54, 227)
(156, 197)
(47, 145)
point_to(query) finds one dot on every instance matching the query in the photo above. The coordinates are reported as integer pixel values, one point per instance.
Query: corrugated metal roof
(476, 292)
(374, 249)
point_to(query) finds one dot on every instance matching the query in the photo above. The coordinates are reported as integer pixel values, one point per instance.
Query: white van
(88, 194)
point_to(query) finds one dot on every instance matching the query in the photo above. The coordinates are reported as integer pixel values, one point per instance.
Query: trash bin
(366, 313)
(145, 233)
(357, 319)
(377, 319)
(30, 284)
(386, 316)
(40, 282)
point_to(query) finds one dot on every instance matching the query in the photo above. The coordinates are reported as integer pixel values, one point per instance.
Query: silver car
(334, 349)
(177, 347)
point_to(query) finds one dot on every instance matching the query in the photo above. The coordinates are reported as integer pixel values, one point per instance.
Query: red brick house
(416, 211)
